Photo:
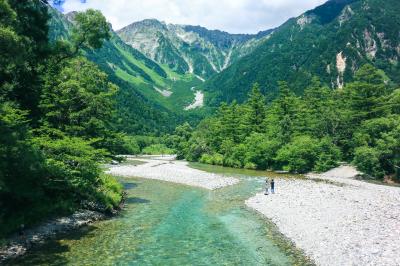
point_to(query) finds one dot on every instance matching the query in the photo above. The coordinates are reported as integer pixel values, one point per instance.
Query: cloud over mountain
(238, 16)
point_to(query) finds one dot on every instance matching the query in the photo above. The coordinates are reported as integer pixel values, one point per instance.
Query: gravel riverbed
(336, 220)
(167, 169)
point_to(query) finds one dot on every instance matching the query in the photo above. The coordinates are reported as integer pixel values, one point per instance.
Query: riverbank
(335, 219)
(18, 245)
(167, 169)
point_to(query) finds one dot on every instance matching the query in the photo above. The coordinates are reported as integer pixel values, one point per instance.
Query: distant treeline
(358, 124)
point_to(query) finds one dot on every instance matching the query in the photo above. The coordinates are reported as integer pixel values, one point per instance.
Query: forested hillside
(56, 117)
(151, 97)
(332, 42)
(314, 132)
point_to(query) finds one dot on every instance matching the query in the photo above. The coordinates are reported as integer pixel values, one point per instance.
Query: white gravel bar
(344, 222)
(166, 169)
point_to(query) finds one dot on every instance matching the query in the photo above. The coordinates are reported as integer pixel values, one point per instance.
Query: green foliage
(297, 52)
(109, 192)
(130, 145)
(367, 160)
(359, 123)
(78, 100)
(55, 118)
(91, 29)
(157, 149)
(215, 159)
(299, 155)
(261, 151)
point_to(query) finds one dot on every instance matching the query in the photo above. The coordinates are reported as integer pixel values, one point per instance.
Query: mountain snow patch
(165, 93)
(198, 101)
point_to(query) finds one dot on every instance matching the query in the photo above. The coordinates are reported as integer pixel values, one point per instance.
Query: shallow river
(170, 224)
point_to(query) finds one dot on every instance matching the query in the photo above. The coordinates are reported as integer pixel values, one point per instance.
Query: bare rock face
(189, 49)
(370, 44)
(341, 68)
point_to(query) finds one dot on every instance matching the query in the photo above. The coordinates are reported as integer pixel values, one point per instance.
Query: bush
(215, 159)
(329, 156)
(131, 145)
(367, 160)
(252, 166)
(206, 158)
(109, 192)
(72, 166)
(236, 157)
(157, 149)
(299, 155)
(260, 151)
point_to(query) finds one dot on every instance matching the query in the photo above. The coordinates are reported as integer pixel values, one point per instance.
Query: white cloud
(235, 16)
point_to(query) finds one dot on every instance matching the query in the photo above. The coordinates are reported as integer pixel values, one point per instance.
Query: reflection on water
(170, 224)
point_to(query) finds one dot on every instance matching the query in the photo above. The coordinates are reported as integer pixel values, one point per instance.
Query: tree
(50, 152)
(79, 100)
(282, 117)
(89, 32)
(365, 93)
(256, 111)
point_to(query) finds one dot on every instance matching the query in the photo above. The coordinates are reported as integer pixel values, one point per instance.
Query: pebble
(357, 224)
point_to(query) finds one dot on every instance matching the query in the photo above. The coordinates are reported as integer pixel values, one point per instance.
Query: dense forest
(362, 32)
(56, 109)
(314, 132)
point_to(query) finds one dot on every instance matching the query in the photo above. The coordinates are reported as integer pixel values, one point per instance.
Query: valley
(132, 140)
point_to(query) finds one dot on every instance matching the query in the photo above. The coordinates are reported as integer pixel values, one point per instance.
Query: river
(170, 224)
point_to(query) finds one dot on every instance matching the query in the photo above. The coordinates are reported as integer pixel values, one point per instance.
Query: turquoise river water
(171, 224)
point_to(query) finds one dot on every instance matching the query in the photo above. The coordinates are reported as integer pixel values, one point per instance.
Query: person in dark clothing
(272, 186)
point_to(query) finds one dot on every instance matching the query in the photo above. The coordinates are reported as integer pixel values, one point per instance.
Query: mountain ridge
(314, 44)
(187, 48)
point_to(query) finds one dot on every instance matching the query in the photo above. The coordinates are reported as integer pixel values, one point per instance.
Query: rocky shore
(335, 219)
(18, 245)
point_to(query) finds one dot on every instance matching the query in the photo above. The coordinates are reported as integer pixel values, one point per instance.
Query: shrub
(131, 145)
(215, 159)
(252, 166)
(206, 158)
(328, 157)
(157, 149)
(299, 155)
(260, 151)
(109, 192)
(367, 160)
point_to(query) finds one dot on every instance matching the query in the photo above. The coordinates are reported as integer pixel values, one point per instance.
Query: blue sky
(234, 16)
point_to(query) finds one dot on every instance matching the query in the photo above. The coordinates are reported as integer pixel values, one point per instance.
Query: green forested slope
(359, 124)
(332, 42)
(141, 108)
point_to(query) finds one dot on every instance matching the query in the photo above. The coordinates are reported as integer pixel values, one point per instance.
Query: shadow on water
(54, 249)
(134, 200)
(128, 186)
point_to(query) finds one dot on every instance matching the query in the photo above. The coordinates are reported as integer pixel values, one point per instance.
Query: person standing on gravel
(273, 186)
(266, 187)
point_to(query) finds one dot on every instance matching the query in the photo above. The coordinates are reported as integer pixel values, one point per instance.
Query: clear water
(170, 224)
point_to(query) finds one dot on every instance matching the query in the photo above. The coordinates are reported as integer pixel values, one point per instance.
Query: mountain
(331, 42)
(189, 49)
(152, 98)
